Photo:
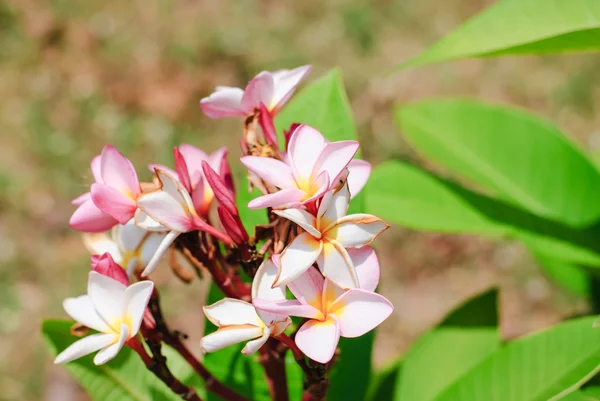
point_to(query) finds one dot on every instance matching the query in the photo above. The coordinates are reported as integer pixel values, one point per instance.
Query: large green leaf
(544, 366)
(123, 379)
(592, 393)
(515, 155)
(520, 27)
(383, 383)
(465, 338)
(404, 195)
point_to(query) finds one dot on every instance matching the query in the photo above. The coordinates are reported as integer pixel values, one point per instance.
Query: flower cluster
(311, 245)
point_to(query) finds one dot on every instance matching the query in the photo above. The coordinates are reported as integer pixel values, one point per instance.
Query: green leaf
(520, 27)
(515, 155)
(575, 396)
(123, 379)
(567, 275)
(383, 383)
(405, 195)
(467, 337)
(543, 366)
(592, 393)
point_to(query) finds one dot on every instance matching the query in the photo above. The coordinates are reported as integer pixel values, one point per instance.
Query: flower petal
(308, 287)
(82, 310)
(259, 90)
(163, 208)
(97, 169)
(254, 345)
(193, 159)
(333, 207)
(145, 222)
(286, 82)
(226, 101)
(88, 218)
(297, 257)
(108, 296)
(81, 199)
(100, 243)
(128, 236)
(108, 353)
(359, 172)
(301, 217)
(366, 265)
(262, 285)
(150, 247)
(356, 230)
(84, 347)
(284, 198)
(118, 172)
(229, 311)
(137, 297)
(304, 149)
(229, 335)
(168, 170)
(160, 252)
(360, 311)
(318, 340)
(289, 307)
(113, 202)
(273, 171)
(335, 157)
(335, 264)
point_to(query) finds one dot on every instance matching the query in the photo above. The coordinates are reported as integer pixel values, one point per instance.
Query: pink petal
(89, 219)
(265, 119)
(166, 210)
(356, 230)
(193, 158)
(366, 265)
(305, 147)
(182, 170)
(302, 218)
(318, 340)
(285, 198)
(220, 189)
(224, 102)
(104, 264)
(81, 199)
(360, 171)
(273, 171)
(308, 287)
(259, 90)
(118, 172)
(216, 159)
(290, 307)
(360, 311)
(335, 157)
(96, 169)
(335, 264)
(297, 257)
(113, 202)
(286, 82)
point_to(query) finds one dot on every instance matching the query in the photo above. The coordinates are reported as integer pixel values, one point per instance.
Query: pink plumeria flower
(113, 309)
(333, 312)
(170, 209)
(112, 196)
(188, 171)
(273, 89)
(326, 238)
(311, 167)
(239, 321)
(129, 245)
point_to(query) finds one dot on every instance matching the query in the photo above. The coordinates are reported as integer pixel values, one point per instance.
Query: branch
(274, 364)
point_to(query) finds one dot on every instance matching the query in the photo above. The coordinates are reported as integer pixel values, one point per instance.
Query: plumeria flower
(239, 321)
(326, 238)
(113, 309)
(129, 245)
(312, 166)
(273, 89)
(188, 171)
(170, 209)
(332, 311)
(112, 196)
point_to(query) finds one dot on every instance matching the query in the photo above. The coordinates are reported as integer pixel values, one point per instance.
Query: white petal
(318, 340)
(356, 230)
(366, 265)
(108, 353)
(301, 217)
(137, 296)
(85, 346)
(254, 345)
(285, 83)
(359, 172)
(100, 243)
(304, 149)
(82, 310)
(335, 209)
(229, 335)
(160, 251)
(128, 236)
(262, 285)
(108, 297)
(336, 265)
(166, 210)
(149, 247)
(229, 311)
(145, 222)
(297, 257)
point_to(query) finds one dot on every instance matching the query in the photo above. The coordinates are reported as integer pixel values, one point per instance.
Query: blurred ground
(76, 75)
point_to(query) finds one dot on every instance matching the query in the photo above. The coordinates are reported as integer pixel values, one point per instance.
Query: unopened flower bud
(105, 265)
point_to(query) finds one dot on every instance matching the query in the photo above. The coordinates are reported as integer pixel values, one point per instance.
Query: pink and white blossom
(111, 308)
(326, 237)
(239, 321)
(170, 209)
(272, 89)
(331, 311)
(112, 198)
(312, 166)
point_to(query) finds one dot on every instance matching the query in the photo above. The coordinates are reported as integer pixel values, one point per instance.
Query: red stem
(275, 372)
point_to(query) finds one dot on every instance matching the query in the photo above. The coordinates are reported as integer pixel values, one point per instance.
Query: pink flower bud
(222, 192)
(265, 120)
(227, 177)
(233, 226)
(105, 265)
(288, 134)
(149, 321)
(182, 170)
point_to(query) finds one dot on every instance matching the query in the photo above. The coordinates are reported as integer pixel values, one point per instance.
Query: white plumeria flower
(170, 209)
(326, 238)
(111, 308)
(239, 321)
(129, 245)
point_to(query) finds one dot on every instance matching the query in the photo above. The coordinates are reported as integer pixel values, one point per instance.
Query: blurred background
(77, 75)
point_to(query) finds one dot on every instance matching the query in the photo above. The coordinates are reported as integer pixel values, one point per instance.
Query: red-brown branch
(276, 375)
